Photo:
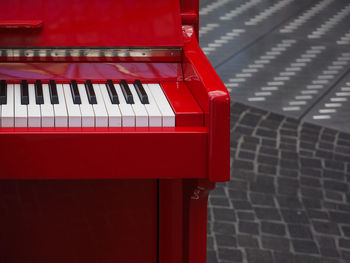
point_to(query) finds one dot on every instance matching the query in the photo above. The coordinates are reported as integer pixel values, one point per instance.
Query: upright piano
(114, 127)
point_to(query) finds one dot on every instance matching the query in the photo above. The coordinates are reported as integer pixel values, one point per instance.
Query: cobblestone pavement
(288, 200)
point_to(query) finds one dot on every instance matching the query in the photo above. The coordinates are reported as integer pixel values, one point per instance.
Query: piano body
(114, 127)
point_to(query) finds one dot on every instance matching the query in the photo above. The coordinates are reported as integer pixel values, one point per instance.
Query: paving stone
(269, 160)
(283, 257)
(326, 227)
(224, 228)
(306, 259)
(267, 169)
(267, 213)
(219, 201)
(244, 130)
(275, 243)
(269, 151)
(273, 228)
(336, 186)
(259, 256)
(245, 216)
(241, 205)
(289, 202)
(238, 195)
(310, 203)
(329, 252)
(326, 242)
(263, 184)
(262, 199)
(310, 181)
(340, 217)
(344, 243)
(294, 216)
(334, 196)
(300, 231)
(232, 255)
(224, 214)
(311, 192)
(246, 155)
(305, 246)
(269, 142)
(247, 241)
(238, 184)
(289, 172)
(250, 119)
(311, 172)
(211, 257)
(248, 227)
(241, 164)
(345, 255)
(316, 214)
(335, 165)
(311, 162)
(225, 240)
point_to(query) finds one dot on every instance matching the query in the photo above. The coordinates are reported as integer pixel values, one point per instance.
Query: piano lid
(90, 23)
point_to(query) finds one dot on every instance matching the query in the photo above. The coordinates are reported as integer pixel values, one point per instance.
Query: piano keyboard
(84, 105)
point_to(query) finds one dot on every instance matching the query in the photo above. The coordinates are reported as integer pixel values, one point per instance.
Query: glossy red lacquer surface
(186, 109)
(104, 153)
(80, 71)
(213, 97)
(74, 221)
(93, 23)
(171, 232)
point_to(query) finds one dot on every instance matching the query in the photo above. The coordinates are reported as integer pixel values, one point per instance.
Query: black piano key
(53, 92)
(141, 92)
(126, 92)
(75, 92)
(112, 92)
(39, 96)
(90, 92)
(24, 93)
(3, 92)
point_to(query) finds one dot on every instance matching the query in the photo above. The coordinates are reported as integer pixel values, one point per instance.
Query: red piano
(114, 127)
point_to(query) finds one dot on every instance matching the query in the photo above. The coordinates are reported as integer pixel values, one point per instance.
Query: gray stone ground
(288, 198)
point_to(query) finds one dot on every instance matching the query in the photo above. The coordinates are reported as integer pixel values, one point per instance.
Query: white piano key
(47, 113)
(87, 112)
(34, 111)
(21, 116)
(168, 115)
(73, 110)
(139, 109)
(155, 117)
(128, 115)
(114, 115)
(8, 109)
(101, 116)
(60, 109)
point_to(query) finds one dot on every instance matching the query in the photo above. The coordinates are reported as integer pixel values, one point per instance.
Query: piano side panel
(213, 97)
(64, 72)
(103, 153)
(73, 221)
